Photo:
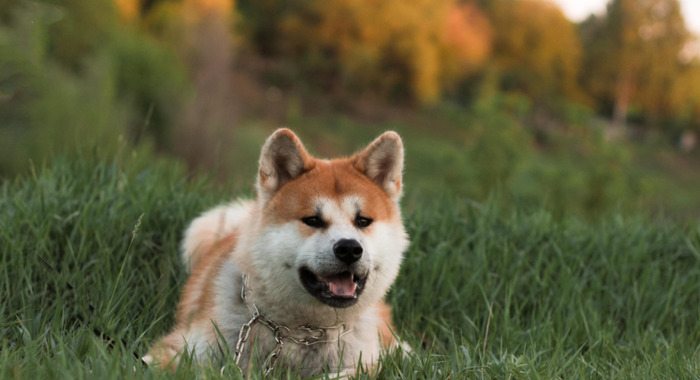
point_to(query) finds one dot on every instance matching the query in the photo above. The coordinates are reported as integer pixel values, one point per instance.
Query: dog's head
(330, 230)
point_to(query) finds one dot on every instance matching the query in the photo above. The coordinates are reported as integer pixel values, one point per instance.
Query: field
(552, 203)
(90, 276)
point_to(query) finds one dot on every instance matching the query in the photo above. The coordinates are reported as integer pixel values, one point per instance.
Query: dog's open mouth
(336, 290)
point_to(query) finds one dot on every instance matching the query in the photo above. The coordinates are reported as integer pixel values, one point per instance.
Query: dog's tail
(209, 228)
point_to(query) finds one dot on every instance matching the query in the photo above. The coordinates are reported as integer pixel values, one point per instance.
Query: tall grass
(90, 276)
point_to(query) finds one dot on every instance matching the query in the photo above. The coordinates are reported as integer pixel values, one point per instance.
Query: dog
(296, 278)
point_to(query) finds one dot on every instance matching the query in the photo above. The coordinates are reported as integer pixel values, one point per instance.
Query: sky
(577, 10)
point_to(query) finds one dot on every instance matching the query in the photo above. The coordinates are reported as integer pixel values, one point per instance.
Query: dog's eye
(313, 221)
(362, 222)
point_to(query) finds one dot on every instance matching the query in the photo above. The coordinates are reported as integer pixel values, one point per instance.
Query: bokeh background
(505, 99)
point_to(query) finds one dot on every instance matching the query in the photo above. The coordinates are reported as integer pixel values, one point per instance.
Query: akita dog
(296, 278)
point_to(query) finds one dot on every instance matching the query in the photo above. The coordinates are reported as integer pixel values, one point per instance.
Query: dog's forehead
(331, 185)
(346, 205)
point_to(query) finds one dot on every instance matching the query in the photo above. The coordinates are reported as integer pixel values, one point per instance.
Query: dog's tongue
(341, 285)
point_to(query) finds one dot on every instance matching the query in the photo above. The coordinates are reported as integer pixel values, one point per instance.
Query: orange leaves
(410, 49)
(538, 48)
(211, 6)
(197, 10)
(634, 61)
(129, 10)
(393, 49)
(468, 33)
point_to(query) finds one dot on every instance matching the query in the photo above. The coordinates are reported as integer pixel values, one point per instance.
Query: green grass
(90, 276)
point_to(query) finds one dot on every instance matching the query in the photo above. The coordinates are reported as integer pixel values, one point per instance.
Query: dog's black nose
(347, 250)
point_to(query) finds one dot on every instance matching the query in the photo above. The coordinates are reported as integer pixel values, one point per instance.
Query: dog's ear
(282, 159)
(382, 162)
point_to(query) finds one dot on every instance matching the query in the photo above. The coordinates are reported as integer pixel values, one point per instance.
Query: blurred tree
(393, 48)
(685, 98)
(537, 49)
(129, 10)
(633, 58)
(45, 108)
(85, 27)
(201, 32)
(76, 71)
(178, 22)
(469, 38)
(6, 9)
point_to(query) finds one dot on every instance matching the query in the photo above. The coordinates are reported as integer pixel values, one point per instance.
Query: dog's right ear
(282, 159)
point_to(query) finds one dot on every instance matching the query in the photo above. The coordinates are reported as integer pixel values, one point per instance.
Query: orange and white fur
(320, 246)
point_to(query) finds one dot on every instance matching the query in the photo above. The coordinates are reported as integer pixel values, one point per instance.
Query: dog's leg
(387, 333)
(195, 312)
(165, 352)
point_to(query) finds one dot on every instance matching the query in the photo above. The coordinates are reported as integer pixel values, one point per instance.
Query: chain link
(313, 335)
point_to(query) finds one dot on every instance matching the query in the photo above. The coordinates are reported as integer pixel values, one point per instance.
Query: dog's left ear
(282, 159)
(382, 162)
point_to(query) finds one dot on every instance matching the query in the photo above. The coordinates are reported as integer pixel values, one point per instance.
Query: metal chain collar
(311, 335)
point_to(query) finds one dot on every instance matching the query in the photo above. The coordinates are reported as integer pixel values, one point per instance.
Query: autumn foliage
(537, 48)
(422, 51)
(636, 61)
(129, 10)
(392, 48)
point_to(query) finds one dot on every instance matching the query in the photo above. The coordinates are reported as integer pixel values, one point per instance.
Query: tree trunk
(622, 100)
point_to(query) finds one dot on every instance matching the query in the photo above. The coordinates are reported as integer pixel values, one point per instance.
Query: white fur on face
(282, 250)
(276, 250)
(386, 242)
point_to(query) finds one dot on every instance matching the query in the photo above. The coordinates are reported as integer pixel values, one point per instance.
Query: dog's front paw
(162, 355)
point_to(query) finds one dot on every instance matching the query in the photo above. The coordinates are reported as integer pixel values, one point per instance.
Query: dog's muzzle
(336, 290)
(341, 285)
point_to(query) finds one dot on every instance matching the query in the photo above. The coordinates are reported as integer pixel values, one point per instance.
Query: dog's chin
(338, 290)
